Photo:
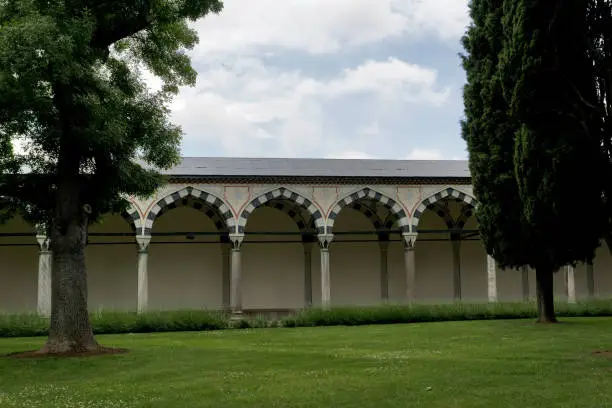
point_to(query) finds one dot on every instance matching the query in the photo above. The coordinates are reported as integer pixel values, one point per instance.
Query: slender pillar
(491, 279)
(226, 275)
(143, 272)
(384, 269)
(456, 242)
(590, 278)
(570, 284)
(44, 276)
(308, 274)
(410, 264)
(525, 282)
(236, 274)
(325, 241)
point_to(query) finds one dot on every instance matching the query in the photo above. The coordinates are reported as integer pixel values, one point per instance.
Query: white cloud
(425, 154)
(244, 107)
(431, 154)
(390, 78)
(446, 19)
(322, 26)
(316, 26)
(240, 104)
(350, 155)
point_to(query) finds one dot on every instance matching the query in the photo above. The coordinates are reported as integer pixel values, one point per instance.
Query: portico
(251, 235)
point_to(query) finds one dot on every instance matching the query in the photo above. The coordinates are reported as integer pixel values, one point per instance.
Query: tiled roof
(298, 167)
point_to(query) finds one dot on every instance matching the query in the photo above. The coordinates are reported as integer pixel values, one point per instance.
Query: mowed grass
(512, 363)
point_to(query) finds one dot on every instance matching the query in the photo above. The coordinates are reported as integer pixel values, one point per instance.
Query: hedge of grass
(28, 325)
(389, 314)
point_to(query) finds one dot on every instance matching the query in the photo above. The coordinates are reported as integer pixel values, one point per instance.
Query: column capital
(43, 242)
(308, 246)
(383, 234)
(409, 239)
(143, 242)
(236, 240)
(325, 240)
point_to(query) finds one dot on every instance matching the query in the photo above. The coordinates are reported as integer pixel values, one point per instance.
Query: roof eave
(181, 178)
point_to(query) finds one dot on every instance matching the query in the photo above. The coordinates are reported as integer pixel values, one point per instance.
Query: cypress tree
(489, 133)
(533, 167)
(599, 18)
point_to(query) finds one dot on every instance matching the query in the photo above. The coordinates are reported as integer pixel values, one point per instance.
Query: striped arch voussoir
(132, 217)
(450, 192)
(280, 198)
(377, 221)
(353, 200)
(209, 204)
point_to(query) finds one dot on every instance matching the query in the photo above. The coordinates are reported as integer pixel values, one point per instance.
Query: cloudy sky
(327, 78)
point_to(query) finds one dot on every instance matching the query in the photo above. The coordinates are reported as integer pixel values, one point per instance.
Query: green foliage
(533, 132)
(110, 322)
(600, 40)
(548, 82)
(489, 132)
(114, 322)
(71, 88)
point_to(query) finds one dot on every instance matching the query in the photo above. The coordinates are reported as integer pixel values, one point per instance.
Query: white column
(491, 279)
(525, 282)
(456, 243)
(570, 284)
(143, 272)
(45, 258)
(590, 279)
(384, 269)
(236, 274)
(410, 264)
(225, 276)
(325, 241)
(308, 274)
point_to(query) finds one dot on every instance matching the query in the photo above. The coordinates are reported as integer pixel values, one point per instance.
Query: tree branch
(116, 24)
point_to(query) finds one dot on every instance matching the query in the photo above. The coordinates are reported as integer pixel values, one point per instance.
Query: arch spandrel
(280, 194)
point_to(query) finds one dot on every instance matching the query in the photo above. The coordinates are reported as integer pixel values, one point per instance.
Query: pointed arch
(396, 210)
(370, 213)
(214, 207)
(132, 216)
(469, 201)
(279, 194)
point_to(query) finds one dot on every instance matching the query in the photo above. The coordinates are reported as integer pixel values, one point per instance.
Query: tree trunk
(70, 329)
(544, 288)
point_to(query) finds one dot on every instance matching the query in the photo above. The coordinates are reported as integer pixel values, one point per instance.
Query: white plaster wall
(111, 266)
(354, 266)
(18, 268)
(434, 263)
(397, 270)
(273, 271)
(602, 271)
(184, 274)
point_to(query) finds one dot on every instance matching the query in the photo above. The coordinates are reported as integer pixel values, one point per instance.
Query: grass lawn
(453, 364)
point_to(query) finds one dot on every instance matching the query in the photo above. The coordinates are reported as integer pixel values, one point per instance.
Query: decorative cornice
(319, 180)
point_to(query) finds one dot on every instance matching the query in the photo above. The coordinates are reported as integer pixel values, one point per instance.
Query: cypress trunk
(545, 294)
(70, 329)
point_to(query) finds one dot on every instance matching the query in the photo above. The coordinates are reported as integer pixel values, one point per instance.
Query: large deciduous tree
(533, 132)
(71, 90)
